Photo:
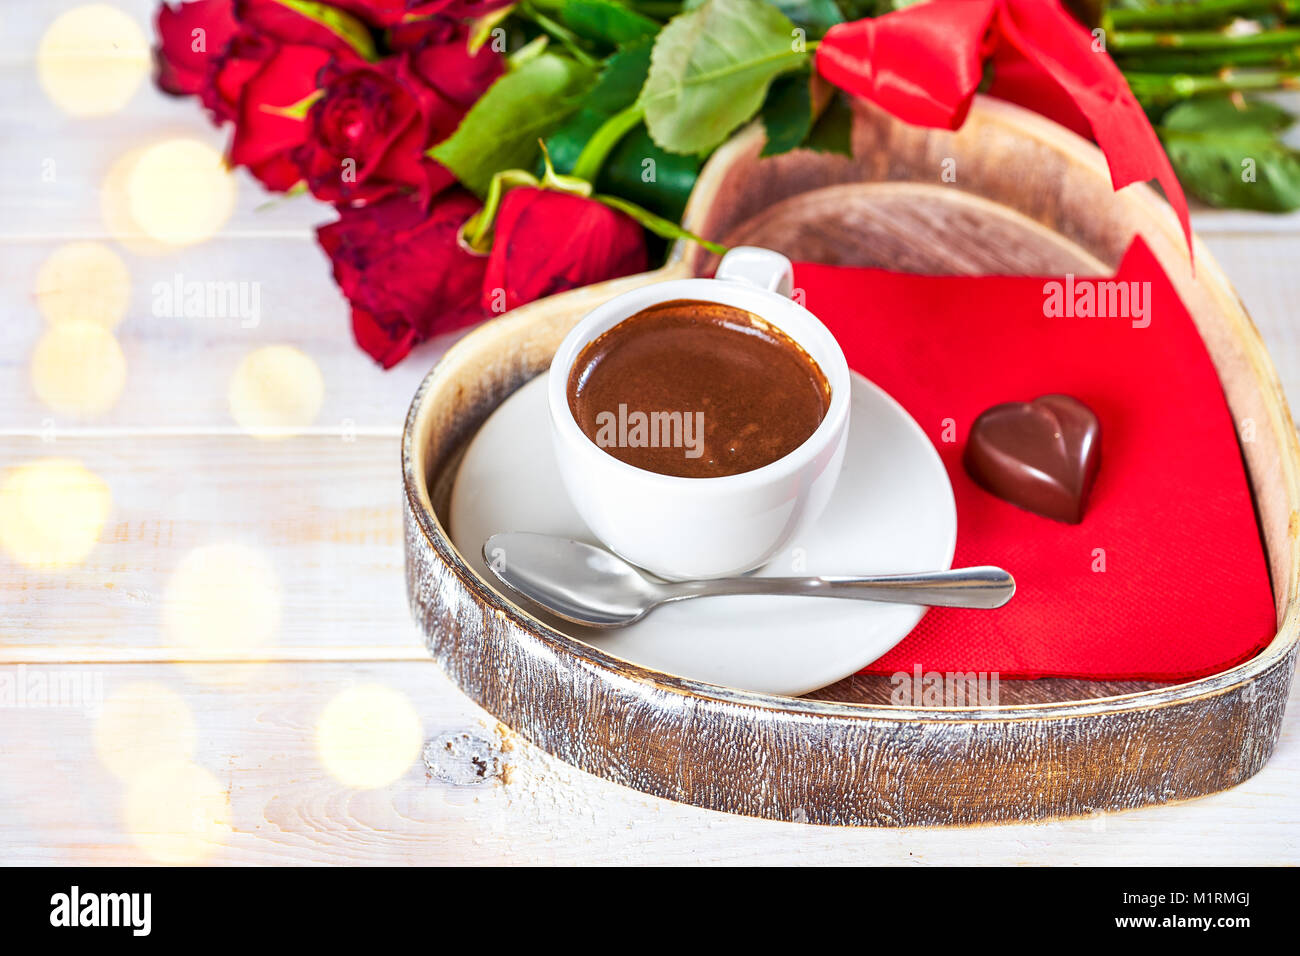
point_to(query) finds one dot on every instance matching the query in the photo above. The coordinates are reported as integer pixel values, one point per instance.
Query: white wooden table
(191, 744)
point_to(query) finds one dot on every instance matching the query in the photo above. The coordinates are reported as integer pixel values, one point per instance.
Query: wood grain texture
(58, 803)
(853, 763)
(338, 520)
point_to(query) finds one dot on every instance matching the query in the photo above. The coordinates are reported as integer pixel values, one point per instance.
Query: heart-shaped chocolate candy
(1042, 455)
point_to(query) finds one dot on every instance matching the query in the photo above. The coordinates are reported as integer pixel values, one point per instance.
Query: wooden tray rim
(612, 667)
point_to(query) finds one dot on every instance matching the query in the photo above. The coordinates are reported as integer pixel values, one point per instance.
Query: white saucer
(892, 512)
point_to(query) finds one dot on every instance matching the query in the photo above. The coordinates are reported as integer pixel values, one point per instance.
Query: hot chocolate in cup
(727, 418)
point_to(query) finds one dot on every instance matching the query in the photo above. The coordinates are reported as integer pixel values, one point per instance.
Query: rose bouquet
(482, 154)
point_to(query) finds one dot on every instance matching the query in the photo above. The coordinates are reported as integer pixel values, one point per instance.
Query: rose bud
(405, 272)
(191, 38)
(545, 242)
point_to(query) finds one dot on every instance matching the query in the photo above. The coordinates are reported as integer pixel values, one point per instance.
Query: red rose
(455, 9)
(440, 55)
(270, 78)
(370, 130)
(546, 242)
(405, 272)
(191, 37)
(367, 135)
(273, 19)
(380, 13)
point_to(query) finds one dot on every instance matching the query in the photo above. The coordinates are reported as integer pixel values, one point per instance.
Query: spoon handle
(981, 587)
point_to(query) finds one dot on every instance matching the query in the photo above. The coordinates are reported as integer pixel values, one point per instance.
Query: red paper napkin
(1185, 589)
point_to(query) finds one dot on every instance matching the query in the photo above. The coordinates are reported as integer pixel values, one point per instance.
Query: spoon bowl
(576, 581)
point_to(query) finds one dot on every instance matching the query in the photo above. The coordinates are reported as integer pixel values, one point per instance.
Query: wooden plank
(323, 512)
(55, 180)
(179, 369)
(1262, 269)
(256, 735)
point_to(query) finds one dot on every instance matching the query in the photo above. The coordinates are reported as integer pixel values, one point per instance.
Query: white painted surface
(323, 509)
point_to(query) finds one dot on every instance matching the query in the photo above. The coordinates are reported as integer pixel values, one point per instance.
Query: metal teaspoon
(589, 585)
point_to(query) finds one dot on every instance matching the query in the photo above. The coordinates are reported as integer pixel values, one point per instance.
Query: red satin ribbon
(923, 64)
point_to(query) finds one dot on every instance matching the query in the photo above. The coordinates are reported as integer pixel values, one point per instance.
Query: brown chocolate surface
(697, 389)
(1042, 456)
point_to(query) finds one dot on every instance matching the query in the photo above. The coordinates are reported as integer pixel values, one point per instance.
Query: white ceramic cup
(680, 528)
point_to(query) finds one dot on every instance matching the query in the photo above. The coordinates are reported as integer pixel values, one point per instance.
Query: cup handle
(761, 267)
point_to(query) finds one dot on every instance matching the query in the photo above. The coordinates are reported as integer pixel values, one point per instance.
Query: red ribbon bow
(923, 64)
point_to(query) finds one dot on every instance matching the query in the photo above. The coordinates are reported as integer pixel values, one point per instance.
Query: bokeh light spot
(52, 511)
(78, 368)
(115, 207)
(276, 391)
(222, 599)
(179, 192)
(368, 735)
(142, 725)
(92, 59)
(83, 281)
(177, 813)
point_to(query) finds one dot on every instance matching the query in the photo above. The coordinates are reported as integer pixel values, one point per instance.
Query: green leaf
(621, 79)
(833, 131)
(339, 22)
(606, 21)
(551, 27)
(620, 82)
(1223, 114)
(657, 224)
(635, 168)
(1233, 157)
(814, 16)
(787, 114)
(639, 170)
(710, 70)
(501, 130)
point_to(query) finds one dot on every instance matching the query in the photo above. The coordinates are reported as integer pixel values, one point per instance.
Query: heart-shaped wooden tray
(1029, 197)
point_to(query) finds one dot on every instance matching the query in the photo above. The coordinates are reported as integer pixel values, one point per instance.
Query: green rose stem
(1200, 13)
(1123, 42)
(1161, 89)
(566, 36)
(593, 155)
(664, 228)
(1283, 58)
